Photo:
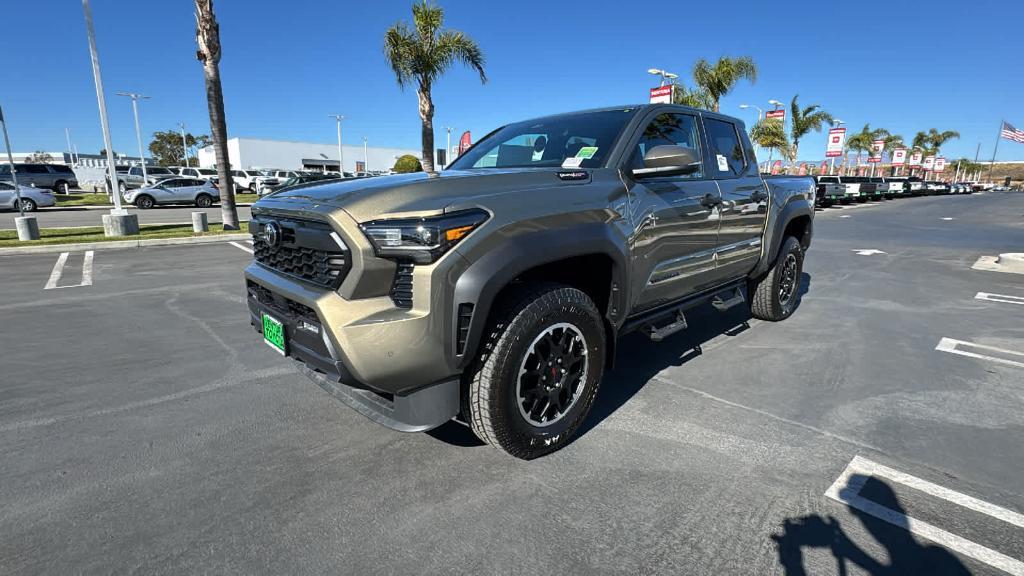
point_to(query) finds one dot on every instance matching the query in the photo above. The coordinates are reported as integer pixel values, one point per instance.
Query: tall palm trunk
(208, 39)
(427, 136)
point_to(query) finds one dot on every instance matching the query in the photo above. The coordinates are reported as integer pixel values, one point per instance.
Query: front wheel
(204, 201)
(144, 202)
(28, 205)
(538, 371)
(774, 296)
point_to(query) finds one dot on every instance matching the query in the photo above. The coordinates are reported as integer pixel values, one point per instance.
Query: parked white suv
(201, 173)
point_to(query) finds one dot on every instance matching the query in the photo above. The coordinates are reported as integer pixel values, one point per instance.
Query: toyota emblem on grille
(272, 234)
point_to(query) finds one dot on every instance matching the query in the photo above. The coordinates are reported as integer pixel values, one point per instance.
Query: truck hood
(413, 194)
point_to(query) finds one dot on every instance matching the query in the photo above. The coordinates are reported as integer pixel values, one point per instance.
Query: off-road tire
(491, 381)
(766, 302)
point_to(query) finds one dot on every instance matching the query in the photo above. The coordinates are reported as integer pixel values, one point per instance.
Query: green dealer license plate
(273, 333)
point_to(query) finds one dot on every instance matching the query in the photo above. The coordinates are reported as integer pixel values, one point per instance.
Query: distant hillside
(1014, 170)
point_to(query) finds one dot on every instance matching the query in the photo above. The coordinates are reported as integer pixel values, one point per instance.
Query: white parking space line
(58, 269)
(87, 269)
(954, 346)
(948, 218)
(241, 247)
(846, 490)
(999, 298)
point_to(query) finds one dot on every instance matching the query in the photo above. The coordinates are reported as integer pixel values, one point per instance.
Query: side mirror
(668, 160)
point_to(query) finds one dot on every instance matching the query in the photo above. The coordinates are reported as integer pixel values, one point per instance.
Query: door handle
(710, 201)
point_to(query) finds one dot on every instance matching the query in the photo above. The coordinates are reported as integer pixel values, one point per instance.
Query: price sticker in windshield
(587, 152)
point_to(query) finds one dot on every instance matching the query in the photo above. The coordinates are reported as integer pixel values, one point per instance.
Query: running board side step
(727, 299)
(659, 334)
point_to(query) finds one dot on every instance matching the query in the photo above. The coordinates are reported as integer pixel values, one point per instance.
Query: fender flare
(775, 229)
(481, 282)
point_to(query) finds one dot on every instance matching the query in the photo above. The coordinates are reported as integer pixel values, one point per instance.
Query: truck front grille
(305, 249)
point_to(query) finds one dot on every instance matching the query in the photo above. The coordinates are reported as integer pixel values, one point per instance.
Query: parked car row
(32, 198)
(848, 189)
(57, 177)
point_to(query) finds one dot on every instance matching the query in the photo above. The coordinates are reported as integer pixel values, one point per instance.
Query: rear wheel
(775, 296)
(144, 202)
(537, 373)
(204, 201)
(122, 187)
(62, 188)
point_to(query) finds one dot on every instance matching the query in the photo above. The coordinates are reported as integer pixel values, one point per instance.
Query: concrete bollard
(28, 228)
(199, 222)
(120, 224)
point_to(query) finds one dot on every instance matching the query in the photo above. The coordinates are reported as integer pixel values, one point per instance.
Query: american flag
(1011, 133)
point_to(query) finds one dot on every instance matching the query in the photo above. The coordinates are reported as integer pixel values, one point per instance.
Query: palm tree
(802, 121)
(208, 39)
(421, 54)
(694, 98)
(771, 135)
(720, 78)
(862, 141)
(938, 139)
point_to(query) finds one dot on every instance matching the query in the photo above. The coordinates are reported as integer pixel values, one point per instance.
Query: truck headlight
(422, 240)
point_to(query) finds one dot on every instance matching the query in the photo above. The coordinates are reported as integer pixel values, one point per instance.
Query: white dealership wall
(247, 153)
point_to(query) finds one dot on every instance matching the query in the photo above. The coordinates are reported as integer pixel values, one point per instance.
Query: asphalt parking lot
(145, 428)
(71, 216)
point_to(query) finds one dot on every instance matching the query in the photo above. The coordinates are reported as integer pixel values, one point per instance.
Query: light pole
(10, 159)
(448, 149)
(184, 143)
(71, 151)
(341, 159)
(101, 101)
(665, 75)
(366, 160)
(759, 113)
(836, 123)
(138, 131)
(758, 108)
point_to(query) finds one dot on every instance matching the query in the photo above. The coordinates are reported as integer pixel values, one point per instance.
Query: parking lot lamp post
(665, 75)
(341, 159)
(448, 147)
(10, 159)
(366, 162)
(759, 113)
(138, 134)
(184, 143)
(98, 79)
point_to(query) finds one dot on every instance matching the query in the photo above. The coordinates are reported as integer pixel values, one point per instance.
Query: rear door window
(727, 157)
(34, 169)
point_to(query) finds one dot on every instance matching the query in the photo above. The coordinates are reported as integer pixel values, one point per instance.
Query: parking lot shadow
(638, 360)
(905, 554)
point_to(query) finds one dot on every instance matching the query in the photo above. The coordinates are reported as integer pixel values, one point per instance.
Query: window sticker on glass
(587, 152)
(573, 162)
(723, 163)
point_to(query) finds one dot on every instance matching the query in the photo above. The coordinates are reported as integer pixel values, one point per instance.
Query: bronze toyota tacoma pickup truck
(493, 292)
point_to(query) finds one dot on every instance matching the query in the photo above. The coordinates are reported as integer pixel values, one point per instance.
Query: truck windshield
(548, 142)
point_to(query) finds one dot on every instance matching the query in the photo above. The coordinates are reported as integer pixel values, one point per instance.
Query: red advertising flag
(823, 169)
(465, 142)
(836, 140)
(777, 167)
(803, 168)
(899, 157)
(940, 164)
(662, 94)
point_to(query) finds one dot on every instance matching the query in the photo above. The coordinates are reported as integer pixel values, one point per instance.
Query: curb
(114, 244)
(102, 207)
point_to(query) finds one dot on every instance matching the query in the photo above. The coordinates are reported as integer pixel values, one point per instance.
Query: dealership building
(246, 153)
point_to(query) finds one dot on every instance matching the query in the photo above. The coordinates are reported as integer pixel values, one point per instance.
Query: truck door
(745, 197)
(674, 218)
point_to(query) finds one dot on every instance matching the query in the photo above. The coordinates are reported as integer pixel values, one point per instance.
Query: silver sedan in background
(31, 197)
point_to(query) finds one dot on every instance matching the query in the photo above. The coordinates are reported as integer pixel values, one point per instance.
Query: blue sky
(902, 65)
